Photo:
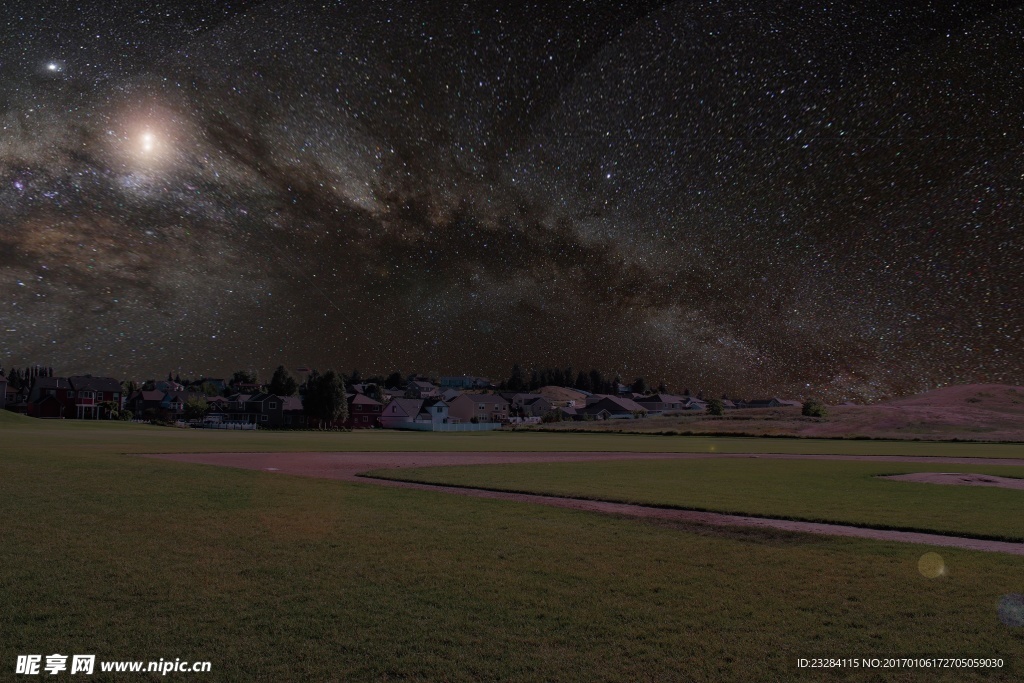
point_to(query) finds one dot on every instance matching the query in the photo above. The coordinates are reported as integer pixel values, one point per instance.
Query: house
(294, 413)
(535, 406)
(607, 407)
(433, 411)
(266, 410)
(143, 400)
(168, 385)
(81, 397)
(3, 389)
(772, 402)
(398, 411)
(480, 407)
(363, 412)
(449, 394)
(695, 405)
(94, 396)
(48, 396)
(659, 404)
(421, 389)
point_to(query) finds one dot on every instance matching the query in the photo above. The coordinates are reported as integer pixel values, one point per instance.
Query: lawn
(133, 438)
(811, 490)
(277, 578)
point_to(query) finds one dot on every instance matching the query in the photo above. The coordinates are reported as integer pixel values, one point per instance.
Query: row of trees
(594, 381)
(22, 379)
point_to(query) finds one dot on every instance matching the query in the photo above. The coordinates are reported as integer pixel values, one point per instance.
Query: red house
(363, 412)
(82, 398)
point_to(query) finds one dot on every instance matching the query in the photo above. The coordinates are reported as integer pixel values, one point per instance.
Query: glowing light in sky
(148, 142)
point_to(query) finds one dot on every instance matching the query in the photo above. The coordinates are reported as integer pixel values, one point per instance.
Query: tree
(596, 381)
(109, 409)
(282, 383)
(195, 408)
(208, 388)
(715, 406)
(394, 380)
(662, 388)
(325, 398)
(582, 381)
(516, 381)
(355, 378)
(814, 408)
(639, 386)
(244, 377)
(375, 392)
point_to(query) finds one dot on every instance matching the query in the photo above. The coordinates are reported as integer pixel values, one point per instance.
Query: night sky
(754, 197)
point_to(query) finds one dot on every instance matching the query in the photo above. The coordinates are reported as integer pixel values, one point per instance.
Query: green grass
(277, 578)
(127, 437)
(812, 490)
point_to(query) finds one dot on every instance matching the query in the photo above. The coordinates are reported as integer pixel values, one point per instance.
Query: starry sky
(754, 197)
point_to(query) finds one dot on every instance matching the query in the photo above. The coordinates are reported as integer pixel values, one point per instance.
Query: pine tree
(582, 381)
(282, 383)
(516, 382)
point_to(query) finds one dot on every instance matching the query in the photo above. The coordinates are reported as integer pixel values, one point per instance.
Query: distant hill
(980, 412)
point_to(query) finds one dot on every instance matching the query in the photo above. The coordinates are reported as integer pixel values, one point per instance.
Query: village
(416, 402)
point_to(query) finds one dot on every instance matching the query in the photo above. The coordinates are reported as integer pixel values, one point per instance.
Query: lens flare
(931, 566)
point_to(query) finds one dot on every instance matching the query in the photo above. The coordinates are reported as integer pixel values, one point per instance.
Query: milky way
(776, 197)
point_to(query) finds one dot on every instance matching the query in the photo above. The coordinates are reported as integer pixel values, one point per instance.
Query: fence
(457, 427)
(244, 426)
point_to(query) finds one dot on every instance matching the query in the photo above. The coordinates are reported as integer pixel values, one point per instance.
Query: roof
(623, 404)
(492, 399)
(363, 399)
(51, 383)
(431, 402)
(88, 383)
(422, 385)
(661, 398)
(291, 403)
(409, 406)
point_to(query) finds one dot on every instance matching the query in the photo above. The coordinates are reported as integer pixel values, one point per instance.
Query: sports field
(836, 491)
(281, 578)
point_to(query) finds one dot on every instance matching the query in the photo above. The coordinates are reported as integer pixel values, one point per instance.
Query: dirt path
(959, 479)
(348, 466)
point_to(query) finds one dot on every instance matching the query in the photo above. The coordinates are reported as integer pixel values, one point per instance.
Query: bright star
(148, 142)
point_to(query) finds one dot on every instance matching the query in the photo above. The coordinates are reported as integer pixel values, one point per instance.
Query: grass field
(132, 438)
(811, 490)
(277, 578)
